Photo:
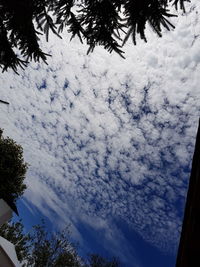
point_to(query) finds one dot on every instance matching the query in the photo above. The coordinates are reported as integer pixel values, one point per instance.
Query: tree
(98, 261)
(51, 249)
(39, 248)
(12, 169)
(108, 23)
(14, 232)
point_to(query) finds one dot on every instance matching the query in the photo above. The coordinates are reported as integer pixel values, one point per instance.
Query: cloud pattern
(107, 137)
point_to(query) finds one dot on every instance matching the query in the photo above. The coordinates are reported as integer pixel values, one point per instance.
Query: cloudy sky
(110, 141)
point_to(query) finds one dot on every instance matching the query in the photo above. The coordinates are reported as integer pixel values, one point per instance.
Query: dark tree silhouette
(14, 232)
(12, 170)
(42, 248)
(108, 23)
(98, 261)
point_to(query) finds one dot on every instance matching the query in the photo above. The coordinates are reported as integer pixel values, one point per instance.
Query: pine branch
(99, 22)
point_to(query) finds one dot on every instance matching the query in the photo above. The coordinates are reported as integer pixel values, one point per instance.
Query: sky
(109, 141)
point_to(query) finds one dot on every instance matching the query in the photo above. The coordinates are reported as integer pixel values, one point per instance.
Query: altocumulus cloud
(111, 137)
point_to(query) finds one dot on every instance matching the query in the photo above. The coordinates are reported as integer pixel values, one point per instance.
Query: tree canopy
(41, 248)
(108, 23)
(12, 169)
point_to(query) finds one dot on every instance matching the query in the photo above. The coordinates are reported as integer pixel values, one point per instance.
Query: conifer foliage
(108, 23)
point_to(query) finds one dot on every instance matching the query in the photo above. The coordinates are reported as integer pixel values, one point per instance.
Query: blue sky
(110, 141)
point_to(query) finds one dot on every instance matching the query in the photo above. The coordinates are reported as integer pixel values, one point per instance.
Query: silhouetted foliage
(41, 248)
(51, 249)
(12, 169)
(108, 23)
(14, 232)
(98, 261)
